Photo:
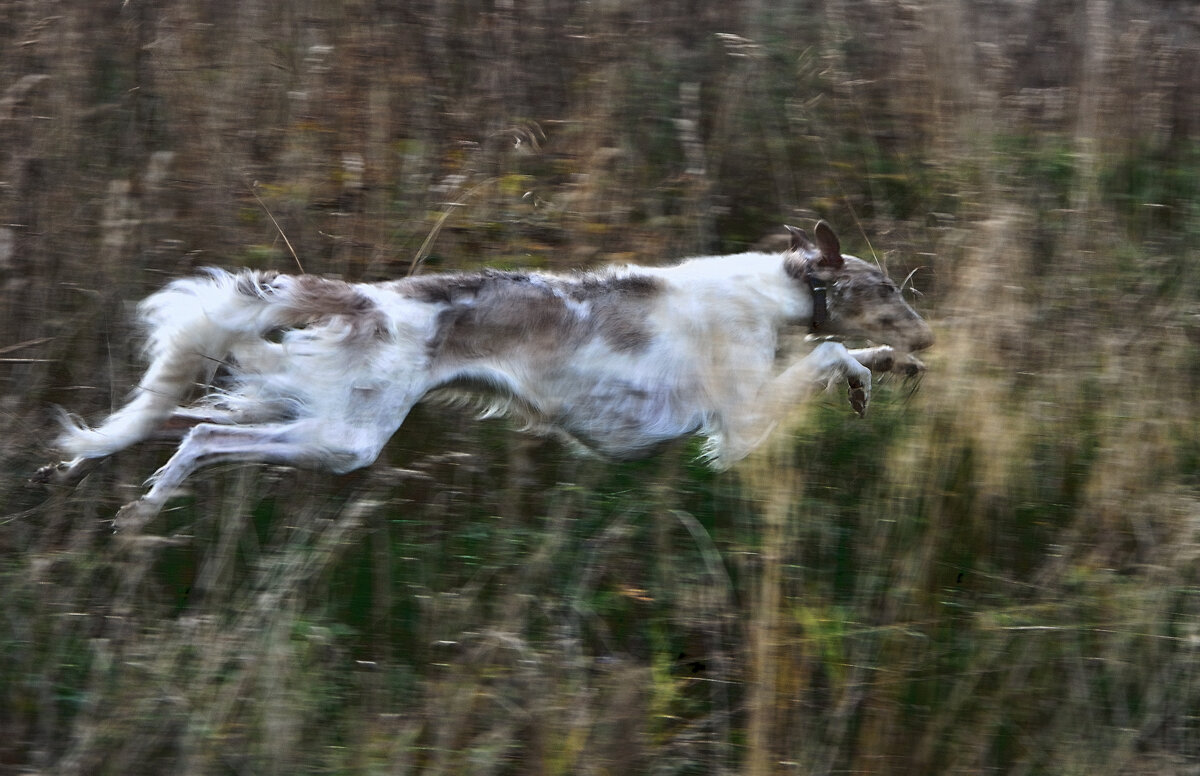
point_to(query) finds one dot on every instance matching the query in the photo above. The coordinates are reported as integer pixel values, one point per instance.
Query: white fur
(321, 373)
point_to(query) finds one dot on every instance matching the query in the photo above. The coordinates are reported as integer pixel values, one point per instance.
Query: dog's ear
(800, 241)
(831, 249)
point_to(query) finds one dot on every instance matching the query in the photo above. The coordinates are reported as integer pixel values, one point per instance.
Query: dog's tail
(192, 325)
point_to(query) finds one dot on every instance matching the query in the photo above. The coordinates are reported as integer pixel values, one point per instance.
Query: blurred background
(995, 572)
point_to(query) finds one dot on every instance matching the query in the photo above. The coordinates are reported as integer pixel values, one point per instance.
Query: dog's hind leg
(184, 419)
(66, 472)
(340, 441)
(310, 443)
(174, 428)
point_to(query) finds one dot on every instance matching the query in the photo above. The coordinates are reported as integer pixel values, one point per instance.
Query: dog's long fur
(321, 373)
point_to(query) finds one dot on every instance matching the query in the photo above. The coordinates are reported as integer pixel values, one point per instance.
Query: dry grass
(996, 572)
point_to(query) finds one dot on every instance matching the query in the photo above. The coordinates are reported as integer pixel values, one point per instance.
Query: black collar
(820, 307)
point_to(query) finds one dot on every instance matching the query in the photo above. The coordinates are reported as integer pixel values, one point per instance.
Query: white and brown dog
(321, 373)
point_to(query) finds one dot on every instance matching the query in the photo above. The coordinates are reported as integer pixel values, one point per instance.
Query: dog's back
(622, 360)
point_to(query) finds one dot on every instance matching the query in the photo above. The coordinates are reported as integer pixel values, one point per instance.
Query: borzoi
(320, 373)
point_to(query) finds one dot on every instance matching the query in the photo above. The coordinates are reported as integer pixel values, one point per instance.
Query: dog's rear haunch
(320, 373)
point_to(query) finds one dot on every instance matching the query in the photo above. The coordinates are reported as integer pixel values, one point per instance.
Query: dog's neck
(820, 306)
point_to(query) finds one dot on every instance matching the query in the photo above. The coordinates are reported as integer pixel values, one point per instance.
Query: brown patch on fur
(326, 297)
(489, 312)
(251, 283)
(449, 288)
(619, 306)
(592, 286)
(316, 299)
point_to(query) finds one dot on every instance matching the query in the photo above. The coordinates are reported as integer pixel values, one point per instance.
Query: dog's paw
(47, 474)
(130, 518)
(884, 360)
(879, 360)
(908, 365)
(65, 473)
(860, 394)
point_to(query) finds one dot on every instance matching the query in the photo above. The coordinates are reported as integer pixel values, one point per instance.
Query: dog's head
(851, 297)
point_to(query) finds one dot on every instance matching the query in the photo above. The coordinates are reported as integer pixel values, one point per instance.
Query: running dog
(313, 372)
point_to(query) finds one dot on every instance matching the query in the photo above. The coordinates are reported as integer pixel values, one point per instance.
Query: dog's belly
(624, 420)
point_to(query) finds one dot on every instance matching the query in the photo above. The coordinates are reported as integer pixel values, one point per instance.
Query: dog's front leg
(826, 365)
(884, 358)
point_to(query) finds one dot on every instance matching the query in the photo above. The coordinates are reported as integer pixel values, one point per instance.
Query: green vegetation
(998, 571)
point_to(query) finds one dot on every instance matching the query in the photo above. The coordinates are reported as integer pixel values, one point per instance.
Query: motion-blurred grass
(995, 572)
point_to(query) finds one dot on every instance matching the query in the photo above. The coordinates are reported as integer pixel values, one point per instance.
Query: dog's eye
(886, 290)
